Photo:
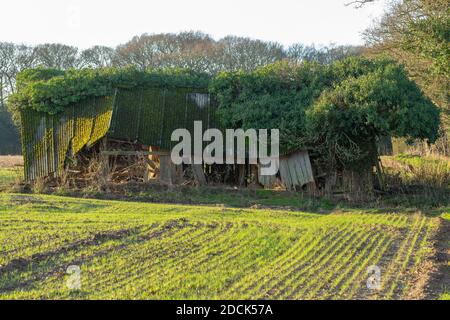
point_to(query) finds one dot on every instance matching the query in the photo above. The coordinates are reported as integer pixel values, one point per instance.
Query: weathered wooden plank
(300, 165)
(167, 172)
(290, 162)
(296, 170)
(266, 181)
(308, 167)
(284, 174)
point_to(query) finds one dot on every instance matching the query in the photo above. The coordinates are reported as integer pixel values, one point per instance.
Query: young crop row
(138, 250)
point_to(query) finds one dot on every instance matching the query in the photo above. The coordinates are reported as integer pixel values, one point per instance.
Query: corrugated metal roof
(146, 116)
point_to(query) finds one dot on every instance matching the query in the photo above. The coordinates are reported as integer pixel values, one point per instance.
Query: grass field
(10, 170)
(8, 176)
(431, 171)
(159, 251)
(241, 244)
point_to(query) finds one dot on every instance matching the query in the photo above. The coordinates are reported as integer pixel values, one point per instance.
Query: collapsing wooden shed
(143, 116)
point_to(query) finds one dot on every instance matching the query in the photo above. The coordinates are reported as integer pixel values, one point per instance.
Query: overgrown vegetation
(338, 111)
(426, 177)
(9, 176)
(50, 91)
(416, 33)
(11, 172)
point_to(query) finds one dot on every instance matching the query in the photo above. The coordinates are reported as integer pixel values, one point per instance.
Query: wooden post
(167, 170)
(380, 174)
(153, 164)
(241, 174)
(199, 175)
(104, 160)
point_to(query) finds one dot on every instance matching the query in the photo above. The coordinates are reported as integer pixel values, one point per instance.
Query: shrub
(337, 111)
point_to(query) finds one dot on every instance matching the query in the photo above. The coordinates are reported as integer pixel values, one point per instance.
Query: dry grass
(11, 161)
(11, 172)
(412, 173)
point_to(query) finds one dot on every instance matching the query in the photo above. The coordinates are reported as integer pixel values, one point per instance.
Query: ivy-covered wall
(149, 116)
(146, 116)
(48, 139)
(64, 111)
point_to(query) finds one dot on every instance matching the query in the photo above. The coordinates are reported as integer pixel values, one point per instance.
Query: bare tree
(194, 50)
(299, 53)
(56, 55)
(96, 57)
(359, 3)
(13, 59)
(186, 49)
(7, 61)
(146, 50)
(239, 53)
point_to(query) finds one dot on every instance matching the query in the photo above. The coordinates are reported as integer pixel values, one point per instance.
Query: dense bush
(337, 110)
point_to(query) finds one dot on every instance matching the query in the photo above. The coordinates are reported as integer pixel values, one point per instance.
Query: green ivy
(47, 139)
(51, 91)
(338, 111)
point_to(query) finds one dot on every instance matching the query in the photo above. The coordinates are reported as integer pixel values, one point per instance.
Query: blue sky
(110, 22)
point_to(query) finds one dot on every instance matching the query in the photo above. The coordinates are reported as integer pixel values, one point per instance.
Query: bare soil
(440, 270)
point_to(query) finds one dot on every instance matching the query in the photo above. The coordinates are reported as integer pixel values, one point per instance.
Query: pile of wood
(114, 162)
(118, 162)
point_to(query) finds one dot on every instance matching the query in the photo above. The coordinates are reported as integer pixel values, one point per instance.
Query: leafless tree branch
(359, 3)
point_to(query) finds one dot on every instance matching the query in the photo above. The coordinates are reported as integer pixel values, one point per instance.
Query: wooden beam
(134, 153)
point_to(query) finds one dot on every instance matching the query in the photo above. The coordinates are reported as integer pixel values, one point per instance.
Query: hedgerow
(338, 111)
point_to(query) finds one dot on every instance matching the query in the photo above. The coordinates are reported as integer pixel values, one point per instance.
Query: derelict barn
(144, 117)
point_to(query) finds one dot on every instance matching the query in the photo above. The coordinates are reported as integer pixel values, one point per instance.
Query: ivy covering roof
(51, 90)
